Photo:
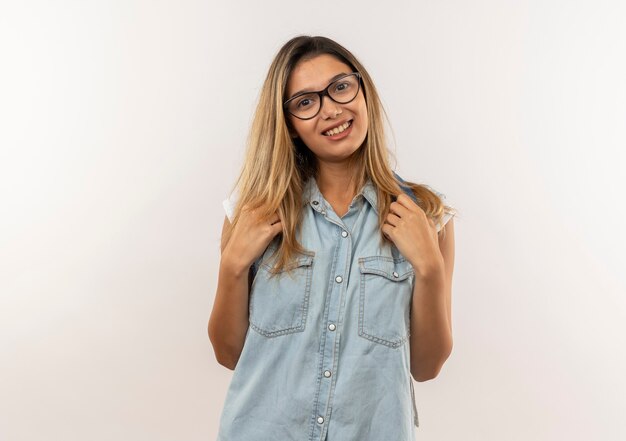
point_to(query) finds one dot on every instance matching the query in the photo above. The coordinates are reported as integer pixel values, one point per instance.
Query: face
(316, 74)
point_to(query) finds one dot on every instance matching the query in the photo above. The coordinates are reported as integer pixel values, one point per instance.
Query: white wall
(122, 126)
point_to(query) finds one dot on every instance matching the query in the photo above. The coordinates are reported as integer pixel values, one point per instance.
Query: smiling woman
(341, 127)
(334, 287)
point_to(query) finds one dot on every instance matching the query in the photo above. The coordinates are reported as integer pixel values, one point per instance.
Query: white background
(122, 128)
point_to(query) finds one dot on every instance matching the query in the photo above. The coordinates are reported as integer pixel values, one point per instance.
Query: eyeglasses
(308, 104)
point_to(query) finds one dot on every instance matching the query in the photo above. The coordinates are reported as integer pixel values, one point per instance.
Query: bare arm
(432, 257)
(228, 323)
(431, 320)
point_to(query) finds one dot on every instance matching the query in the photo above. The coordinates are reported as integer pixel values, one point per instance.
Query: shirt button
(395, 274)
(338, 279)
(315, 202)
(320, 420)
(344, 234)
(332, 327)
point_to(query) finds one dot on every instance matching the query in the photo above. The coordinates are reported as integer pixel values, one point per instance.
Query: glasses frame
(322, 93)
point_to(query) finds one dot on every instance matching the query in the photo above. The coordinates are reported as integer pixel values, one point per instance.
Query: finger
(387, 231)
(276, 228)
(407, 202)
(398, 209)
(393, 219)
(274, 218)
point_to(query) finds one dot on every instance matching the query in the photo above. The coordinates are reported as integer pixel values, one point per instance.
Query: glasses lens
(305, 106)
(344, 89)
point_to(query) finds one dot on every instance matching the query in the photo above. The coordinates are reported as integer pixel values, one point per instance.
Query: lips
(337, 125)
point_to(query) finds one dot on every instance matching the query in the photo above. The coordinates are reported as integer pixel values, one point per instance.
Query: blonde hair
(277, 166)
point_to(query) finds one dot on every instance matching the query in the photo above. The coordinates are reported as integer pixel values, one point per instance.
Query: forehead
(315, 73)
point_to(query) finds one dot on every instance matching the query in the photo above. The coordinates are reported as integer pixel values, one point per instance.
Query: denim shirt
(327, 354)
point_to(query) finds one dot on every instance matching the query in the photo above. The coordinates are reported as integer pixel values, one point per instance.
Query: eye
(304, 102)
(342, 86)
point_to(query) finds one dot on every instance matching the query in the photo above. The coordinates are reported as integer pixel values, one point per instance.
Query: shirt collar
(312, 195)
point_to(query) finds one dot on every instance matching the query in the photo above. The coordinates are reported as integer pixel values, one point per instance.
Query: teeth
(339, 129)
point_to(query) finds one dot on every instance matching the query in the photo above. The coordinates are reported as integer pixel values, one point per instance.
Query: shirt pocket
(279, 304)
(385, 298)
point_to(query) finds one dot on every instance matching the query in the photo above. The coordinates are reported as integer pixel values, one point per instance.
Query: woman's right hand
(250, 237)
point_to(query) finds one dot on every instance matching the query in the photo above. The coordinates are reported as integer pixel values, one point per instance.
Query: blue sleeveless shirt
(327, 354)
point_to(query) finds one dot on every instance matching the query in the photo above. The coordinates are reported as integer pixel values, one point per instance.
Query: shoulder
(405, 188)
(229, 205)
(448, 209)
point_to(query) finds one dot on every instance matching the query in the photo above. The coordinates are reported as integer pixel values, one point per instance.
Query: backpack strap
(406, 189)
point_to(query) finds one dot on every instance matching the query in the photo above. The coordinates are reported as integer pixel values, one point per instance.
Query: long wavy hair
(276, 166)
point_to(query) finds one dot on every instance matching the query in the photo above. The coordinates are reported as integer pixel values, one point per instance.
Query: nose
(330, 109)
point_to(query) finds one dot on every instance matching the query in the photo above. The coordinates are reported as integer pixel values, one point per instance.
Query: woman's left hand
(414, 234)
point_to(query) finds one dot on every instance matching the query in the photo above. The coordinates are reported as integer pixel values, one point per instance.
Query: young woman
(335, 278)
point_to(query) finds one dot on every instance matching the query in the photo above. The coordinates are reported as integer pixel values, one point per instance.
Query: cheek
(364, 120)
(298, 127)
(361, 107)
(305, 131)
(363, 115)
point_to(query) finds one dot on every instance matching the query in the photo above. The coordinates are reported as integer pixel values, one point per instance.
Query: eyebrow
(339, 75)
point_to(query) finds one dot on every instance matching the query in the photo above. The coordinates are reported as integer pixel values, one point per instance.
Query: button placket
(329, 353)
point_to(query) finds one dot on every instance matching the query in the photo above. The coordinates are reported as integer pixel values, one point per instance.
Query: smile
(338, 130)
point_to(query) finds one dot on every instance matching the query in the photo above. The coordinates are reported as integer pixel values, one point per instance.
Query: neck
(335, 181)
